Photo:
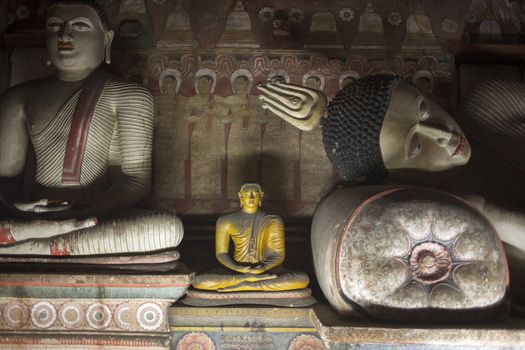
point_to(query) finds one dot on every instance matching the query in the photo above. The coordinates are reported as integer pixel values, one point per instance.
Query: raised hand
(300, 106)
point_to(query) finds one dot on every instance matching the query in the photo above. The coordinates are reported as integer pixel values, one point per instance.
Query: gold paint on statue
(258, 241)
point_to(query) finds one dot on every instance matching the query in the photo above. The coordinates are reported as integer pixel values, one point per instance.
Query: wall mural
(297, 24)
(202, 60)
(212, 135)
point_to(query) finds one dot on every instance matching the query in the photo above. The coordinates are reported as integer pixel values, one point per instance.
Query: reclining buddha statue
(75, 151)
(396, 251)
(378, 124)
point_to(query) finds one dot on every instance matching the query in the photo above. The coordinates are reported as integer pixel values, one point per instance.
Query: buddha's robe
(258, 239)
(121, 140)
(112, 172)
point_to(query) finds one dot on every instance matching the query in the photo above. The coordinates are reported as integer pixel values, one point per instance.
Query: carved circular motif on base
(70, 314)
(150, 316)
(195, 341)
(306, 342)
(43, 314)
(122, 315)
(430, 262)
(16, 314)
(98, 315)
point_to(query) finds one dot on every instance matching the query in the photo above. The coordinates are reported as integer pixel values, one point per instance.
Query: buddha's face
(204, 85)
(240, 85)
(418, 134)
(313, 83)
(346, 81)
(424, 84)
(76, 39)
(168, 85)
(278, 79)
(250, 198)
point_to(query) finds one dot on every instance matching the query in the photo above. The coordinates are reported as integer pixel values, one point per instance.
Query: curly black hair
(352, 127)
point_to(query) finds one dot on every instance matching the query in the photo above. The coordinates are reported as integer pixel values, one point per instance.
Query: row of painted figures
(187, 125)
(75, 156)
(200, 137)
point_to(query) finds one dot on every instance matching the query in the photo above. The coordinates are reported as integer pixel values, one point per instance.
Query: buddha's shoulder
(28, 89)
(122, 87)
(227, 218)
(273, 219)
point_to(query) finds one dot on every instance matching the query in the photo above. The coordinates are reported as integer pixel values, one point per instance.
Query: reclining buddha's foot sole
(291, 298)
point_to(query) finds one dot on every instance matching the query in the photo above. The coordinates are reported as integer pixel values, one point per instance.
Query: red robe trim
(76, 145)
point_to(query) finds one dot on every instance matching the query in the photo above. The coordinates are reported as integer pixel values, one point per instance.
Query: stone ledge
(338, 333)
(85, 341)
(242, 328)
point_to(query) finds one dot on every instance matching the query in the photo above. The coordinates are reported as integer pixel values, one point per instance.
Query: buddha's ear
(109, 40)
(240, 198)
(261, 196)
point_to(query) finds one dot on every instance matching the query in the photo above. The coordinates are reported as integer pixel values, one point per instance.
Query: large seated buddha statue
(254, 265)
(75, 151)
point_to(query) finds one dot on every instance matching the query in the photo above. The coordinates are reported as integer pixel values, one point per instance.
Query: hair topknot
(94, 4)
(352, 127)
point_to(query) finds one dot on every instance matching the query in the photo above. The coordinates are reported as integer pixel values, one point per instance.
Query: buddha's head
(77, 35)
(379, 123)
(313, 82)
(250, 197)
(278, 79)
(204, 85)
(169, 84)
(424, 82)
(240, 85)
(279, 75)
(346, 81)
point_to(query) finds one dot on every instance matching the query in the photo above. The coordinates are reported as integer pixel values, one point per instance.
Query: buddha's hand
(242, 269)
(59, 227)
(256, 270)
(42, 206)
(262, 277)
(74, 224)
(300, 106)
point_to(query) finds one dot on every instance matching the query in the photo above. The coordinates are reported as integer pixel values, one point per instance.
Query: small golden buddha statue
(258, 240)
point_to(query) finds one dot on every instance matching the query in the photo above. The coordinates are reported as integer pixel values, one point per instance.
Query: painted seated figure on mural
(258, 240)
(75, 151)
(378, 124)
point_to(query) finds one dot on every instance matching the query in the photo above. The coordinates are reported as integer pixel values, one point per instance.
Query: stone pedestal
(81, 341)
(290, 298)
(64, 306)
(321, 328)
(354, 332)
(243, 328)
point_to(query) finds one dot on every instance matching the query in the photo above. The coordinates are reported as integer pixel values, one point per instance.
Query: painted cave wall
(202, 60)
